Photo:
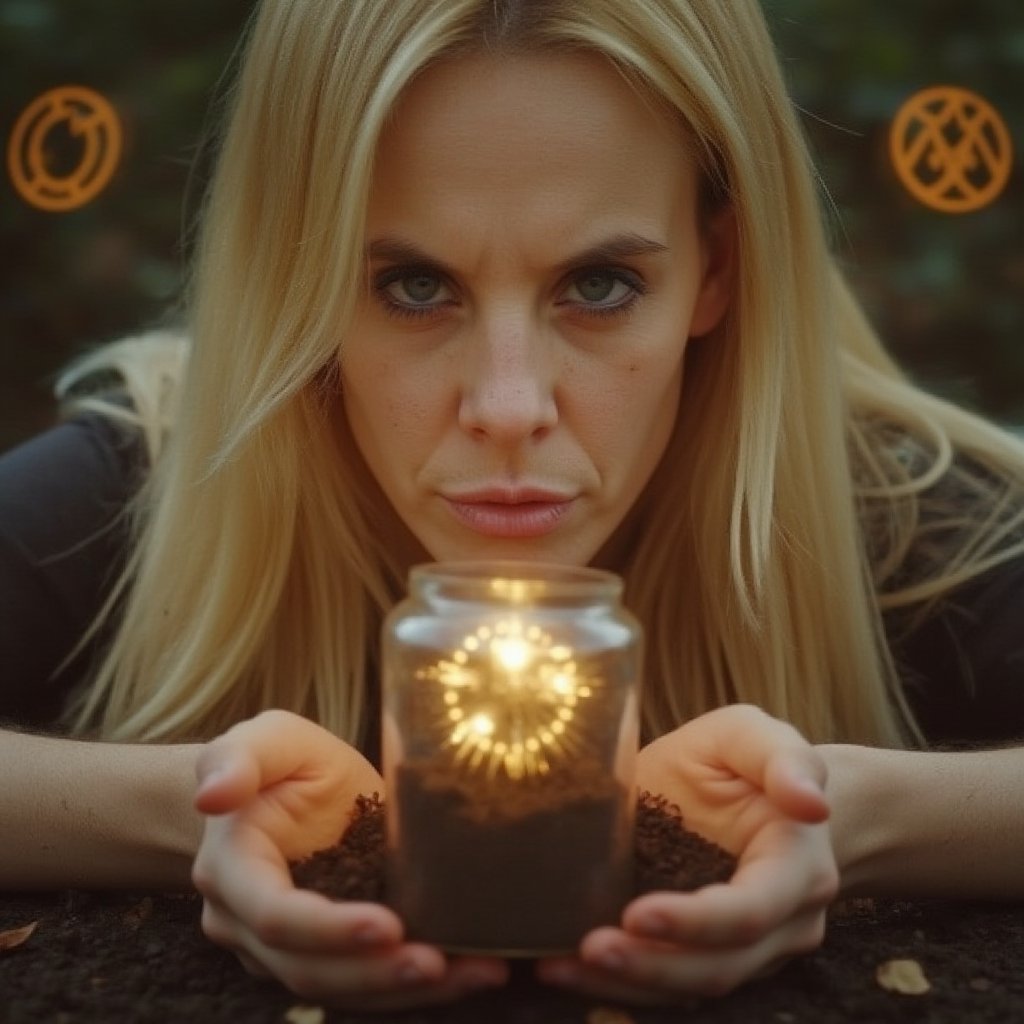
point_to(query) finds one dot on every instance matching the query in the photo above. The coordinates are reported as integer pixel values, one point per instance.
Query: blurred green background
(71, 280)
(945, 290)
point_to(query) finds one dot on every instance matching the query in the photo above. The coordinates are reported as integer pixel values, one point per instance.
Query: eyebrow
(618, 247)
(623, 246)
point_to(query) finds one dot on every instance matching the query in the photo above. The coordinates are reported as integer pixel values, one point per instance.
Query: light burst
(511, 699)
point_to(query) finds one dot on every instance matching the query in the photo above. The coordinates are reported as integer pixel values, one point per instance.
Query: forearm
(95, 814)
(907, 823)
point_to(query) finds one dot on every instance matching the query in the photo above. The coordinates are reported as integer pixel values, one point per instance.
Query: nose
(508, 392)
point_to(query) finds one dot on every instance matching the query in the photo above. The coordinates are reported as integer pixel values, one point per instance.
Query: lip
(509, 512)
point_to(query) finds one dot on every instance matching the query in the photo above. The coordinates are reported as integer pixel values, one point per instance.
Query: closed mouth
(509, 513)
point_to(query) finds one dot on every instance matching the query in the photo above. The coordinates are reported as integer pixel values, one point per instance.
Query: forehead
(513, 125)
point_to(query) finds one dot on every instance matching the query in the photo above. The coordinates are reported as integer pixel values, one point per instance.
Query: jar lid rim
(549, 574)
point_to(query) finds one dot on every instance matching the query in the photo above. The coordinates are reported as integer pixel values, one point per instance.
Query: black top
(63, 537)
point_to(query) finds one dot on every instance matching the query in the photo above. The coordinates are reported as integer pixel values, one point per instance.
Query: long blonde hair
(775, 526)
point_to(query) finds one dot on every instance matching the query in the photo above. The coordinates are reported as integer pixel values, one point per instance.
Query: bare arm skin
(911, 823)
(805, 823)
(91, 815)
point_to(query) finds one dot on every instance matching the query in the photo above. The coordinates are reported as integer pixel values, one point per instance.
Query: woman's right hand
(275, 789)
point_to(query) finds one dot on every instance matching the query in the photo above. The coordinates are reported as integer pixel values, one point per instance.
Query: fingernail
(559, 974)
(369, 935)
(653, 926)
(480, 979)
(410, 973)
(210, 779)
(809, 785)
(611, 960)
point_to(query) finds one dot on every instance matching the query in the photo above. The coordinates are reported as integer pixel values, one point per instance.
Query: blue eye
(421, 288)
(602, 291)
(600, 287)
(415, 289)
(411, 291)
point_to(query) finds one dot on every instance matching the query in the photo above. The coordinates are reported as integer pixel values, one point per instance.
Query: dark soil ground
(141, 957)
(105, 958)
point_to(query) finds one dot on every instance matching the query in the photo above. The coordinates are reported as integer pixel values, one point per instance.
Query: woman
(540, 280)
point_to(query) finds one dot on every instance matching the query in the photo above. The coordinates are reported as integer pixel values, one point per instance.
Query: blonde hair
(776, 526)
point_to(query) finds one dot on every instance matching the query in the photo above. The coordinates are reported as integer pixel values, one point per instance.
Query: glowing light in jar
(510, 699)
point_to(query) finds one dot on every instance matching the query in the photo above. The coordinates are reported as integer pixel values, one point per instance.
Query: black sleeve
(63, 534)
(963, 667)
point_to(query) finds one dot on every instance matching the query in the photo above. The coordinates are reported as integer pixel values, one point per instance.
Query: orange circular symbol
(64, 148)
(951, 149)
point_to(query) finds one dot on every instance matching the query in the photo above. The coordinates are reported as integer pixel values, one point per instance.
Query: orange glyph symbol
(64, 148)
(951, 149)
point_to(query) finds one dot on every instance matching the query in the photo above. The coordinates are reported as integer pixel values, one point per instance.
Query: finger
(453, 986)
(407, 975)
(753, 740)
(449, 989)
(788, 869)
(264, 750)
(227, 775)
(328, 975)
(262, 898)
(795, 782)
(598, 983)
(615, 966)
(225, 928)
(373, 984)
(256, 753)
(253, 967)
(316, 970)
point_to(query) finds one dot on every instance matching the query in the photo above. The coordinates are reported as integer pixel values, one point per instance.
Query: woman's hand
(753, 785)
(275, 789)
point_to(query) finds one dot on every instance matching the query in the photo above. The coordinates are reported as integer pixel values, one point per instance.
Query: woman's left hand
(752, 784)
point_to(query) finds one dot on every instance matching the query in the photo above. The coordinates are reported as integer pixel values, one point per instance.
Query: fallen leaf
(605, 1015)
(305, 1015)
(16, 936)
(903, 976)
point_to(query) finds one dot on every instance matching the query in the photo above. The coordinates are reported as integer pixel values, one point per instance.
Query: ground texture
(127, 957)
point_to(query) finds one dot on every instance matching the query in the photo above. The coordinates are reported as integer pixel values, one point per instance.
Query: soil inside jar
(513, 867)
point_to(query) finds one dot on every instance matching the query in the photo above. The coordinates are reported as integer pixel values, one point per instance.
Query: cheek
(627, 425)
(654, 408)
(642, 414)
(391, 410)
(639, 391)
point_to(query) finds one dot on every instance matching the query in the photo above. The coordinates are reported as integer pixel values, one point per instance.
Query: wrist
(100, 814)
(908, 823)
(864, 790)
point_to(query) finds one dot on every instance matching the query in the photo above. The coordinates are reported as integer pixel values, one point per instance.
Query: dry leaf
(903, 976)
(16, 936)
(305, 1015)
(605, 1015)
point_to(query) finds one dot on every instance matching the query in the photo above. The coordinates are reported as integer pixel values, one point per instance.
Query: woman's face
(535, 271)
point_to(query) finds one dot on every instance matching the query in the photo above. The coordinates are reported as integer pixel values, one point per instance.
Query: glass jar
(510, 733)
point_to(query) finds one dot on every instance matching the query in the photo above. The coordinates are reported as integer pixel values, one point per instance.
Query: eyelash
(636, 285)
(400, 310)
(381, 282)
